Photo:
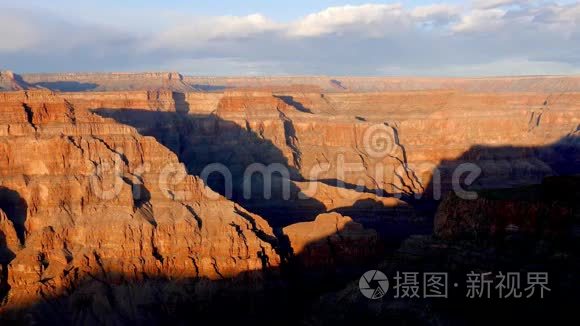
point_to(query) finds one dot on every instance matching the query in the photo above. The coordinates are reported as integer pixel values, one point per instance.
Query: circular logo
(373, 284)
(379, 141)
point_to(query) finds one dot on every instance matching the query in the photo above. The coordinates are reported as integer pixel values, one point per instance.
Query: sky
(300, 37)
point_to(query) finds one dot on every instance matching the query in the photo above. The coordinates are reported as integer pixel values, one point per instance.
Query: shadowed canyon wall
(378, 158)
(177, 82)
(77, 223)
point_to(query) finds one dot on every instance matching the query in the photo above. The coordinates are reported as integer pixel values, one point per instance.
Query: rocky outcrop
(555, 84)
(10, 81)
(299, 84)
(102, 192)
(406, 144)
(331, 240)
(383, 141)
(9, 242)
(546, 211)
(116, 81)
(519, 231)
(242, 131)
(97, 204)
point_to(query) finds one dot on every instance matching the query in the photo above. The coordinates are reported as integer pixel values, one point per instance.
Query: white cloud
(504, 67)
(481, 20)
(490, 4)
(488, 36)
(560, 15)
(203, 30)
(437, 12)
(22, 36)
(370, 19)
(34, 32)
(220, 67)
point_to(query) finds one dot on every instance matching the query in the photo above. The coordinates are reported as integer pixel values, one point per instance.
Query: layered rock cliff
(546, 211)
(351, 152)
(331, 239)
(390, 142)
(522, 231)
(101, 189)
(327, 84)
(394, 84)
(118, 81)
(10, 81)
(90, 200)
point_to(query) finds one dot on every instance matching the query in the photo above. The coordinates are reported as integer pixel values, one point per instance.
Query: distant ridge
(10, 81)
(174, 81)
(387, 84)
(114, 81)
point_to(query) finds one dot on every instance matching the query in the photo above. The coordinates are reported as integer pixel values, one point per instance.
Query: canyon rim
(162, 198)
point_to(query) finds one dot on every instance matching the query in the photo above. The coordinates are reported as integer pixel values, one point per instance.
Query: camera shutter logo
(373, 284)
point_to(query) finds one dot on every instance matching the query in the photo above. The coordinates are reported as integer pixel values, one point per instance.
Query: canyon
(123, 81)
(153, 197)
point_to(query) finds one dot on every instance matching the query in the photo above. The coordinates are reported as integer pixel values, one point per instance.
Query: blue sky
(258, 37)
(281, 10)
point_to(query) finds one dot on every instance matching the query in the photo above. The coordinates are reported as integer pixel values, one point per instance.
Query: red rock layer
(414, 132)
(177, 82)
(118, 81)
(72, 228)
(11, 82)
(330, 240)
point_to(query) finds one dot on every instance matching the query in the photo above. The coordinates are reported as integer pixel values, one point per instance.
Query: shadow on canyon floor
(273, 295)
(508, 166)
(208, 141)
(290, 101)
(210, 88)
(202, 141)
(293, 296)
(527, 219)
(67, 86)
(259, 298)
(15, 208)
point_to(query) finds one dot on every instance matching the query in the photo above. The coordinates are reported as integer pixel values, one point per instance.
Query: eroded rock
(330, 240)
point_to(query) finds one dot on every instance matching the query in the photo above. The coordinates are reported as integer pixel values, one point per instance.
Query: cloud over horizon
(484, 37)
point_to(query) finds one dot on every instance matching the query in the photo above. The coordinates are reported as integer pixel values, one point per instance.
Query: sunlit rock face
(330, 240)
(390, 142)
(72, 224)
(327, 84)
(103, 188)
(120, 81)
(10, 81)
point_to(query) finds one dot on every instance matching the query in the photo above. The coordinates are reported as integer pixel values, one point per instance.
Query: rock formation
(10, 81)
(330, 240)
(107, 203)
(109, 81)
(546, 211)
(518, 230)
(75, 221)
(326, 84)
(390, 142)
